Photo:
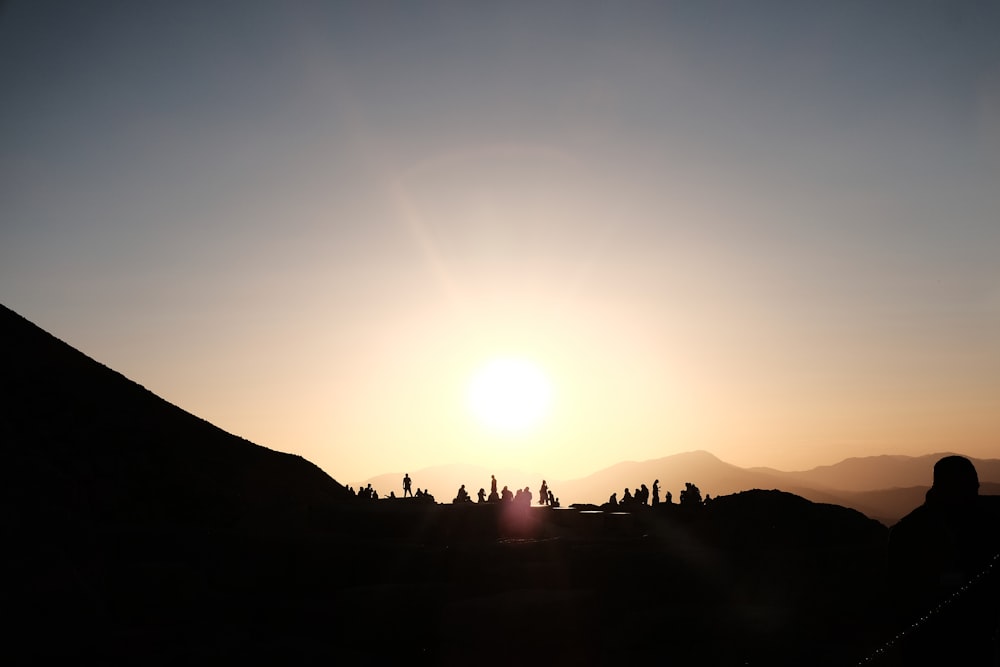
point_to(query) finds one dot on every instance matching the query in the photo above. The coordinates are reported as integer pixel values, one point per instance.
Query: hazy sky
(766, 229)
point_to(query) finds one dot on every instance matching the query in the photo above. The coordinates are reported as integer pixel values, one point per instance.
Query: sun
(509, 395)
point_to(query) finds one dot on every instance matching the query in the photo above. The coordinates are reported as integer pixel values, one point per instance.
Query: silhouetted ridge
(83, 441)
(777, 518)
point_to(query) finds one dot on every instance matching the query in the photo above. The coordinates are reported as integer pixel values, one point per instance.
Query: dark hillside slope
(85, 445)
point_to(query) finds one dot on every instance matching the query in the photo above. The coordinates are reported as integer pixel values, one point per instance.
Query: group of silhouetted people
(366, 493)
(642, 497)
(519, 497)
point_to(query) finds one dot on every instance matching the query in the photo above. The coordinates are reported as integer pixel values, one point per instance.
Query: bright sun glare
(509, 395)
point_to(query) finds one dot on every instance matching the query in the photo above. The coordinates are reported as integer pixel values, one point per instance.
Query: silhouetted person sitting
(690, 496)
(407, 482)
(643, 496)
(934, 551)
(670, 498)
(613, 500)
(626, 497)
(481, 496)
(506, 496)
(462, 496)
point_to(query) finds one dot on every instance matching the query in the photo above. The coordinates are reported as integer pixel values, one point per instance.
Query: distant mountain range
(883, 487)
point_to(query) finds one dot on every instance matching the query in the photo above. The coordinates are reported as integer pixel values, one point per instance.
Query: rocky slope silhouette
(85, 444)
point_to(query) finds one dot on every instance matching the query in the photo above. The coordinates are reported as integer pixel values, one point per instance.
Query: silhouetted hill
(85, 444)
(779, 519)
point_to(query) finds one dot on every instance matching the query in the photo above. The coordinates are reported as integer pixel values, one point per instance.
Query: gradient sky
(766, 229)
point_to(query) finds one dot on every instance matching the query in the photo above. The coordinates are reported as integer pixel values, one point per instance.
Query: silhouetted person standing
(543, 493)
(656, 493)
(934, 552)
(407, 482)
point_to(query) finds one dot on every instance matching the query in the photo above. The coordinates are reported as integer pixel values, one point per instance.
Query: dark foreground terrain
(137, 533)
(759, 578)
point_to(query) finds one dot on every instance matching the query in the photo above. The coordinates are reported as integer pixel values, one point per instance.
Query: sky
(769, 230)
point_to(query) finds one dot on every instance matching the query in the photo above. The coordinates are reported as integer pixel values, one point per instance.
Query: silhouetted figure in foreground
(462, 496)
(935, 551)
(506, 496)
(407, 482)
(670, 498)
(553, 501)
(481, 496)
(543, 493)
(656, 493)
(613, 501)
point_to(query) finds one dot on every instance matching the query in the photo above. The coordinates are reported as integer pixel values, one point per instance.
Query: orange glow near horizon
(705, 237)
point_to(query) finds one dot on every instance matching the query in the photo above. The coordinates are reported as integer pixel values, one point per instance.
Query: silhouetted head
(955, 482)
